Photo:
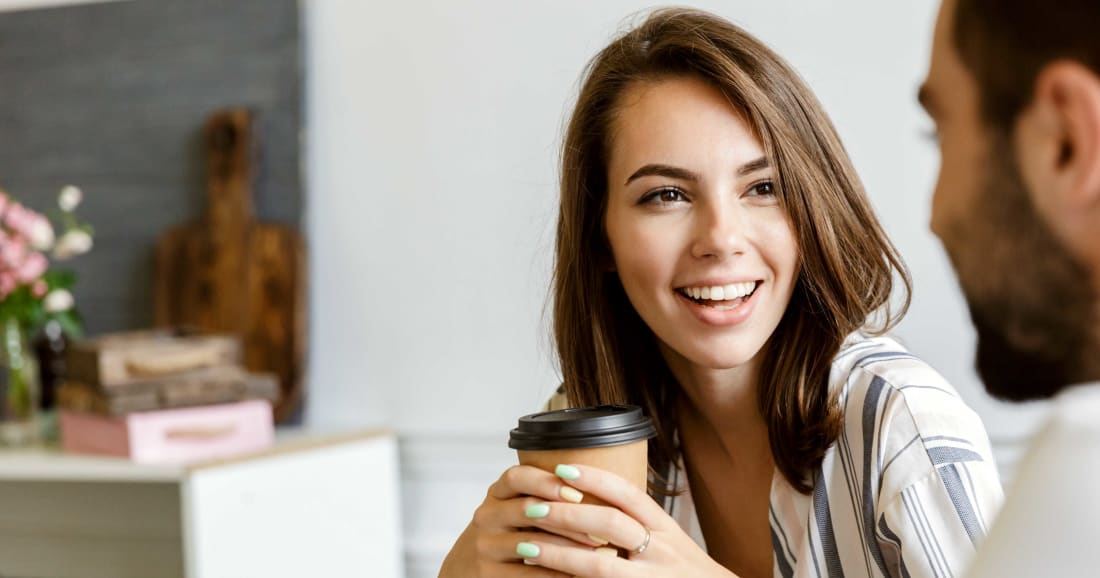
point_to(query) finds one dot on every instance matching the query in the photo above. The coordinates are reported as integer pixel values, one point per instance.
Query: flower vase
(49, 348)
(18, 386)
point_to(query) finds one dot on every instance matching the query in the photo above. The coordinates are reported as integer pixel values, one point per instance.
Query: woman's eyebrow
(753, 166)
(682, 174)
(659, 170)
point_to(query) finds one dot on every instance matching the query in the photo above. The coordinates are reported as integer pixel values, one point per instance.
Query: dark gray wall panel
(112, 97)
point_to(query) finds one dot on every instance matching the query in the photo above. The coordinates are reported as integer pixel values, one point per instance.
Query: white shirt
(1050, 524)
(908, 489)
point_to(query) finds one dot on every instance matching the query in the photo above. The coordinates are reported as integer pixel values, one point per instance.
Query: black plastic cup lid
(582, 427)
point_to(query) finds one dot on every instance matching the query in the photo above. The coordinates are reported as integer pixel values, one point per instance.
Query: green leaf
(71, 324)
(59, 279)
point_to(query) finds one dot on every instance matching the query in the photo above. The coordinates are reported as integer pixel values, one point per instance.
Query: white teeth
(720, 292)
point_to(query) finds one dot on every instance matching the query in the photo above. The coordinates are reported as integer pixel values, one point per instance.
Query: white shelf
(314, 503)
(51, 464)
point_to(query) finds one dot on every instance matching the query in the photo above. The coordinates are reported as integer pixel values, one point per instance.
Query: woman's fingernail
(567, 472)
(537, 511)
(606, 551)
(527, 550)
(570, 494)
(597, 539)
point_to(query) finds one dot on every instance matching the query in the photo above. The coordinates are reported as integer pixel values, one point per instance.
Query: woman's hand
(501, 532)
(634, 521)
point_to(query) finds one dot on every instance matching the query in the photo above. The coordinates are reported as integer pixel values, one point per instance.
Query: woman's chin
(722, 358)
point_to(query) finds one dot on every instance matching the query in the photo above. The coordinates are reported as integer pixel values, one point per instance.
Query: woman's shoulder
(885, 359)
(903, 409)
(557, 401)
(882, 364)
(880, 374)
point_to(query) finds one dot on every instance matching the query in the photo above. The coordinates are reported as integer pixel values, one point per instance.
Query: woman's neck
(725, 399)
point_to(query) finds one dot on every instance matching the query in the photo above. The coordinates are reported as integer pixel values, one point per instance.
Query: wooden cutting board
(228, 273)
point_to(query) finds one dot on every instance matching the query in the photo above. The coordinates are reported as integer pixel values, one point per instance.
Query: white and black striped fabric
(908, 490)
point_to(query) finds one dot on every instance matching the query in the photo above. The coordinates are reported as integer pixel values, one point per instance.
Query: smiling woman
(719, 265)
(698, 220)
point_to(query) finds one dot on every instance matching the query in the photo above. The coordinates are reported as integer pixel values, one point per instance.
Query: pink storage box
(172, 436)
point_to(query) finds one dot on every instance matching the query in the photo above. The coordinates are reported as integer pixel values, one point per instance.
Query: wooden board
(228, 273)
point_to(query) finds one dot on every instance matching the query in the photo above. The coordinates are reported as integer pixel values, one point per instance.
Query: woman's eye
(762, 189)
(666, 195)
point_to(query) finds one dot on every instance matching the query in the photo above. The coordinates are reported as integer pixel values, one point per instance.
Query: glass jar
(18, 386)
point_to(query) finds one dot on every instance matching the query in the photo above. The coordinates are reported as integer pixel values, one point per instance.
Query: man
(1014, 90)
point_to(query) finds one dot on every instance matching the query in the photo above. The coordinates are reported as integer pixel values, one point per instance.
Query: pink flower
(17, 219)
(40, 232)
(33, 267)
(13, 214)
(7, 284)
(26, 239)
(13, 251)
(31, 225)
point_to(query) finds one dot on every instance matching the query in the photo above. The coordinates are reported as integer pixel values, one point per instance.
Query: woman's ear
(1057, 145)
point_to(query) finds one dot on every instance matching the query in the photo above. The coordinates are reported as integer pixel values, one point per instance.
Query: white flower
(69, 198)
(57, 301)
(73, 243)
(40, 234)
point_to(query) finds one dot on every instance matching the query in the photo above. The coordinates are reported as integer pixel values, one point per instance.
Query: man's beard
(1030, 300)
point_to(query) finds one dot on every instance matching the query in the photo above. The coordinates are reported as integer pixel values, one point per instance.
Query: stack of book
(160, 397)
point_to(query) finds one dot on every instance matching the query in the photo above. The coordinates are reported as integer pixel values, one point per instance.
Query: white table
(313, 505)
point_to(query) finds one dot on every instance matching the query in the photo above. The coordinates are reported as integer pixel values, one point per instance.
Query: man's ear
(1057, 145)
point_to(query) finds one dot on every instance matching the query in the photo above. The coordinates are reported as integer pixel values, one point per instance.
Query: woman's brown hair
(607, 353)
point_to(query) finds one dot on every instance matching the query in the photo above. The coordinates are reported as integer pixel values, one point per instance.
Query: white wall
(433, 133)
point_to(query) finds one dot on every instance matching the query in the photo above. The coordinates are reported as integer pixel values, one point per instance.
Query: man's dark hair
(1005, 43)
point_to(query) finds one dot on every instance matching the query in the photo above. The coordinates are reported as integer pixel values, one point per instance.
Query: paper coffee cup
(610, 437)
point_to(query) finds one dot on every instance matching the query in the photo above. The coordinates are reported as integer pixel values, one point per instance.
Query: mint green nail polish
(527, 550)
(567, 472)
(537, 510)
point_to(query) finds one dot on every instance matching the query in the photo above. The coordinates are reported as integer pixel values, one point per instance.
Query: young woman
(718, 264)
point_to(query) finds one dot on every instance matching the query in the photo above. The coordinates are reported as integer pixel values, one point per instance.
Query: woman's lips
(720, 312)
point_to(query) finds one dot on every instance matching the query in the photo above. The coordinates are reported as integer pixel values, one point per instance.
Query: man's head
(1014, 90)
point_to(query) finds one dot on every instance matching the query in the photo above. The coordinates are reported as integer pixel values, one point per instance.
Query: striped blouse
(907, 490)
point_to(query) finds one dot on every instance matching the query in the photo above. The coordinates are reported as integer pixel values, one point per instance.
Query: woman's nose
(719, 233)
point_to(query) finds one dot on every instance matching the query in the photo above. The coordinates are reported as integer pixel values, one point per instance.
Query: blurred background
(413, 146)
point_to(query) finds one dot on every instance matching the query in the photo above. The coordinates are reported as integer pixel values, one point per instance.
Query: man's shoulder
(1051, 518)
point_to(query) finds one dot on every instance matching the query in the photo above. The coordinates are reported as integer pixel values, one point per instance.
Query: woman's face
(705, 253)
